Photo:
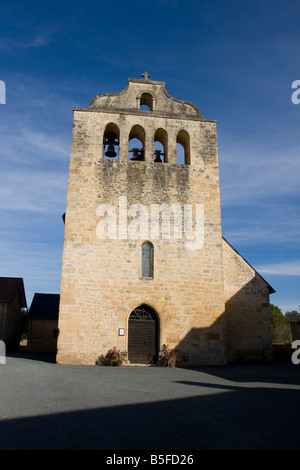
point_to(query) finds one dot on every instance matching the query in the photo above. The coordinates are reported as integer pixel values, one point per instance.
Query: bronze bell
(157, 154)
(110, 151)
(137, 154)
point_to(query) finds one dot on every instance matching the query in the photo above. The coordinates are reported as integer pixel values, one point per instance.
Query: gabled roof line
(271, 290)
(9, 286)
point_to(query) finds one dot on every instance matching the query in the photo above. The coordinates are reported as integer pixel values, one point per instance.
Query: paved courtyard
(44, 405)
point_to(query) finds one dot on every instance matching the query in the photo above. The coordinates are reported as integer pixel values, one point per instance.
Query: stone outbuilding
(12, 301)
(43, 323)
(144, 260)
(247, 309)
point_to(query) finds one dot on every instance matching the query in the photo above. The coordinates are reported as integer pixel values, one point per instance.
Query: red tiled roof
(9, 287)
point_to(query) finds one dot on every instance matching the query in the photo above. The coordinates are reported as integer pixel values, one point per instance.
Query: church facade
(144, 260)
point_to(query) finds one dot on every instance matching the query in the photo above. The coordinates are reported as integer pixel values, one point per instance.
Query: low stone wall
(282, 352)
(295, 330)
(42, 335)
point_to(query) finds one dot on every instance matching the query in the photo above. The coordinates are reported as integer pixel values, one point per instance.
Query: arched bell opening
(111, 141)
(161, 146)
(136, 144)
(146, 102)
(143, 332)
(183, 148)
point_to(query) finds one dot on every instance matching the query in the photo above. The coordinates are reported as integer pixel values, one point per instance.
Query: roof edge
(271, 290)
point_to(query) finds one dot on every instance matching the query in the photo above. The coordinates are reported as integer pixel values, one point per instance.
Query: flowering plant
(113, 357)
(167, 356)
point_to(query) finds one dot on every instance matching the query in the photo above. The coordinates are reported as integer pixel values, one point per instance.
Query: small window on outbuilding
(147, 259)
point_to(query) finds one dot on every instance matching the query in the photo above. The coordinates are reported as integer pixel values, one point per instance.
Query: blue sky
(235, 60)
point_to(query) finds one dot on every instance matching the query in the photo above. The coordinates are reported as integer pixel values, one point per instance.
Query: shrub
(113, 357)
(281, 334)
(167, 357)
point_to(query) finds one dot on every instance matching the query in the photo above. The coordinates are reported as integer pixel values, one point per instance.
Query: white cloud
(54, 146)
(287, 306)
(266, 223)
(29, 146)
(34, 156)
(39, 40)
(32, 190)
(39, 264)
(290, 268)
(35, 37)
(249, 177)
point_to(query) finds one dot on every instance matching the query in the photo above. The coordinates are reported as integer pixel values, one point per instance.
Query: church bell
(110, 140)
(110, 153)
(158, 154)
(137, 154)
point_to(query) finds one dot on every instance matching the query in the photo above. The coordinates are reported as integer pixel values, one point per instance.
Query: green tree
(277, 317)
(292, 316)
(281, 331)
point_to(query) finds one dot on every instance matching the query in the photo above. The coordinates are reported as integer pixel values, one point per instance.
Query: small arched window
(183, 148)
(147, 259)
(146, 102)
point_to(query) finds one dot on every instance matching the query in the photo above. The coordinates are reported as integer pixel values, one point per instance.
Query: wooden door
(143, 336)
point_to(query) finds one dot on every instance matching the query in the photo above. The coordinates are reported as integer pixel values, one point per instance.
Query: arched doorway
(143, 335)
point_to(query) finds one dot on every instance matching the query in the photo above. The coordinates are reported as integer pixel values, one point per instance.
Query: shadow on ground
(253, 410)
(34, 356)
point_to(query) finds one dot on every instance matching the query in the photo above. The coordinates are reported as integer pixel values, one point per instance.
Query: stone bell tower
(142, 259)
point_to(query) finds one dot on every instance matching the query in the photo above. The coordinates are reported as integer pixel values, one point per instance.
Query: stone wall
(43, 335)
(101, 278)
(248, 316)
(107, 205)
(11, 323)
